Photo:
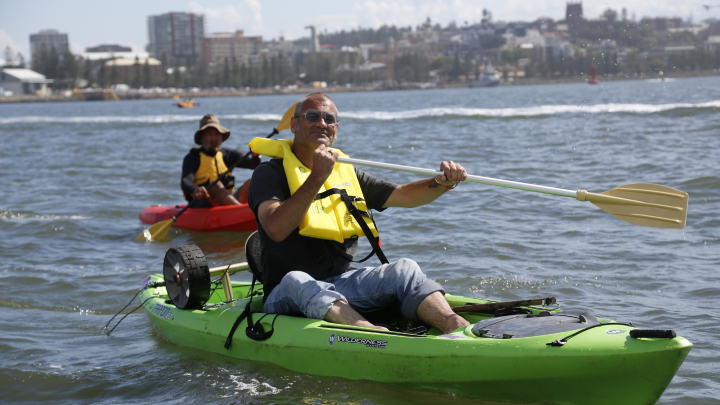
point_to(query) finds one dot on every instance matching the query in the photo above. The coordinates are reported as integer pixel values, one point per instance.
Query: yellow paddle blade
(644, 204)
(156, 232)
(285, 120)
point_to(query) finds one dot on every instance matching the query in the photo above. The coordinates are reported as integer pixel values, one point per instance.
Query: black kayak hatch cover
(527, 325)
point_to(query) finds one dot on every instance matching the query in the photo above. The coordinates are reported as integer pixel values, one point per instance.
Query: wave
(7, 214)
(253, 117)
(532, 111)
(527, 111)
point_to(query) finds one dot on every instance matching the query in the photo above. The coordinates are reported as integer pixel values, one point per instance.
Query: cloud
(6, 40)
(650, 8)
(256, 8)
(139, 49)
(403, 13)
(247, 17)
(76, 48)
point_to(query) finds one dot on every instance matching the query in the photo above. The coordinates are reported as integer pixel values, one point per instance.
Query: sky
(89, 23)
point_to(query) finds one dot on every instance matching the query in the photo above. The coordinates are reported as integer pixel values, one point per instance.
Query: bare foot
(342, 312)
(369, 325)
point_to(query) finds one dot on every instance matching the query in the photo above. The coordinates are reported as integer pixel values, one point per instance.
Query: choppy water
(76, 175)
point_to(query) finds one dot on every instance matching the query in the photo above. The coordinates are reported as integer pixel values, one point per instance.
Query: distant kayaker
(314, 275)
(203, 165)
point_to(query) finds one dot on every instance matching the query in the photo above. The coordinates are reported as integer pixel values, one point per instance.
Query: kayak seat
(387, 314)
(252, 253)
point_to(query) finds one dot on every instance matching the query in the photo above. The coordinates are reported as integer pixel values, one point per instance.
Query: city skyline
(126, 24)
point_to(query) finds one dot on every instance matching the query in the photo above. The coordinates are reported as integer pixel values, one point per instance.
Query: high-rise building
(217, 47)
(48, 39)
(177, 36)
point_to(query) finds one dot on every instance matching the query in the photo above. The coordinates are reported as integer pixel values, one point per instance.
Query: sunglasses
(313, 116)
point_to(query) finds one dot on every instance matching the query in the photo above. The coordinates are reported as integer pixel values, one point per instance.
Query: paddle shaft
(493, 306)
(472, 178)
(220, 177)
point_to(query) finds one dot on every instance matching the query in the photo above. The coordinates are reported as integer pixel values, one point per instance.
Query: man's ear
(293, 124)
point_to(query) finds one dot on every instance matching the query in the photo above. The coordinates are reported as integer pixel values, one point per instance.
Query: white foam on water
(254, 388)
(253, 117)
(631, 108)
(7, 214)
(526, 111)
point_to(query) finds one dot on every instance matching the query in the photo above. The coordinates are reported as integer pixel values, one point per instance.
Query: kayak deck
(217, 219)
(599, 366)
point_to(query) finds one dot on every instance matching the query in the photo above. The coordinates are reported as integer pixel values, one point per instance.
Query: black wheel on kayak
(187, 276)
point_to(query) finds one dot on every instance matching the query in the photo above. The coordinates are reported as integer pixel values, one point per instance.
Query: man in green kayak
(201, 166)
(314, 275)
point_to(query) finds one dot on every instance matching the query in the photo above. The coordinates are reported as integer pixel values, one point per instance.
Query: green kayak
(524, 354)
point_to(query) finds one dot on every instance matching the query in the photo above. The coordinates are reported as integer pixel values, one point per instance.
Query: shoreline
(603, 79)
(134, 95)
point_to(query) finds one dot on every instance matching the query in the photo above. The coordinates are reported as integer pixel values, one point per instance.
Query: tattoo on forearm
(433, 185)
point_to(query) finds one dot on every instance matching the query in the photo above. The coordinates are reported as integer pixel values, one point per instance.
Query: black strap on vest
(349, 201)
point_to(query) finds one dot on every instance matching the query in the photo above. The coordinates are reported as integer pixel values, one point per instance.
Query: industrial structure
(111, 51)
(219, 46)
(125, 69)
(108, 48)
(314, 40)
(22, 81)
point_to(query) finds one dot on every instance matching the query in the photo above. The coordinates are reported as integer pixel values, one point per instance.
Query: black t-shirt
(191, 164)
(317, 257)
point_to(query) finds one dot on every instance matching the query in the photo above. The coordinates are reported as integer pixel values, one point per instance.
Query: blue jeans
(366, 288)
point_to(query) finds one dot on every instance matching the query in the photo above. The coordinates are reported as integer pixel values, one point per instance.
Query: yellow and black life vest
(211, 167)
(328, 217)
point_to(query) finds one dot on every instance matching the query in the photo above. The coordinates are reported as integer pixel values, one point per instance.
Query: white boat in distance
(489, 78)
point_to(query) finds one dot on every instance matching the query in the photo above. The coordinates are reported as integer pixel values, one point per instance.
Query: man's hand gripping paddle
(644, 204)
(160, 230)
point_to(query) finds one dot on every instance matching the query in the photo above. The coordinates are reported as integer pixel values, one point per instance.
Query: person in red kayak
(313, 275)
(201, 166)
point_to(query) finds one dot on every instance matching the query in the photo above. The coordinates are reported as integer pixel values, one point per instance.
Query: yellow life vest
(210, 168)
(328, 218)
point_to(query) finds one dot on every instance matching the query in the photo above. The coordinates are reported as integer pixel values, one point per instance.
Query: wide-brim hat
(210, 120)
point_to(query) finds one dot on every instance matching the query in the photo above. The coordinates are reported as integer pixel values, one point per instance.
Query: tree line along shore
(616, 45)
(136, 94)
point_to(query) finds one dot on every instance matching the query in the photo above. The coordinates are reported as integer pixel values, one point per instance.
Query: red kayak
(225, 218)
